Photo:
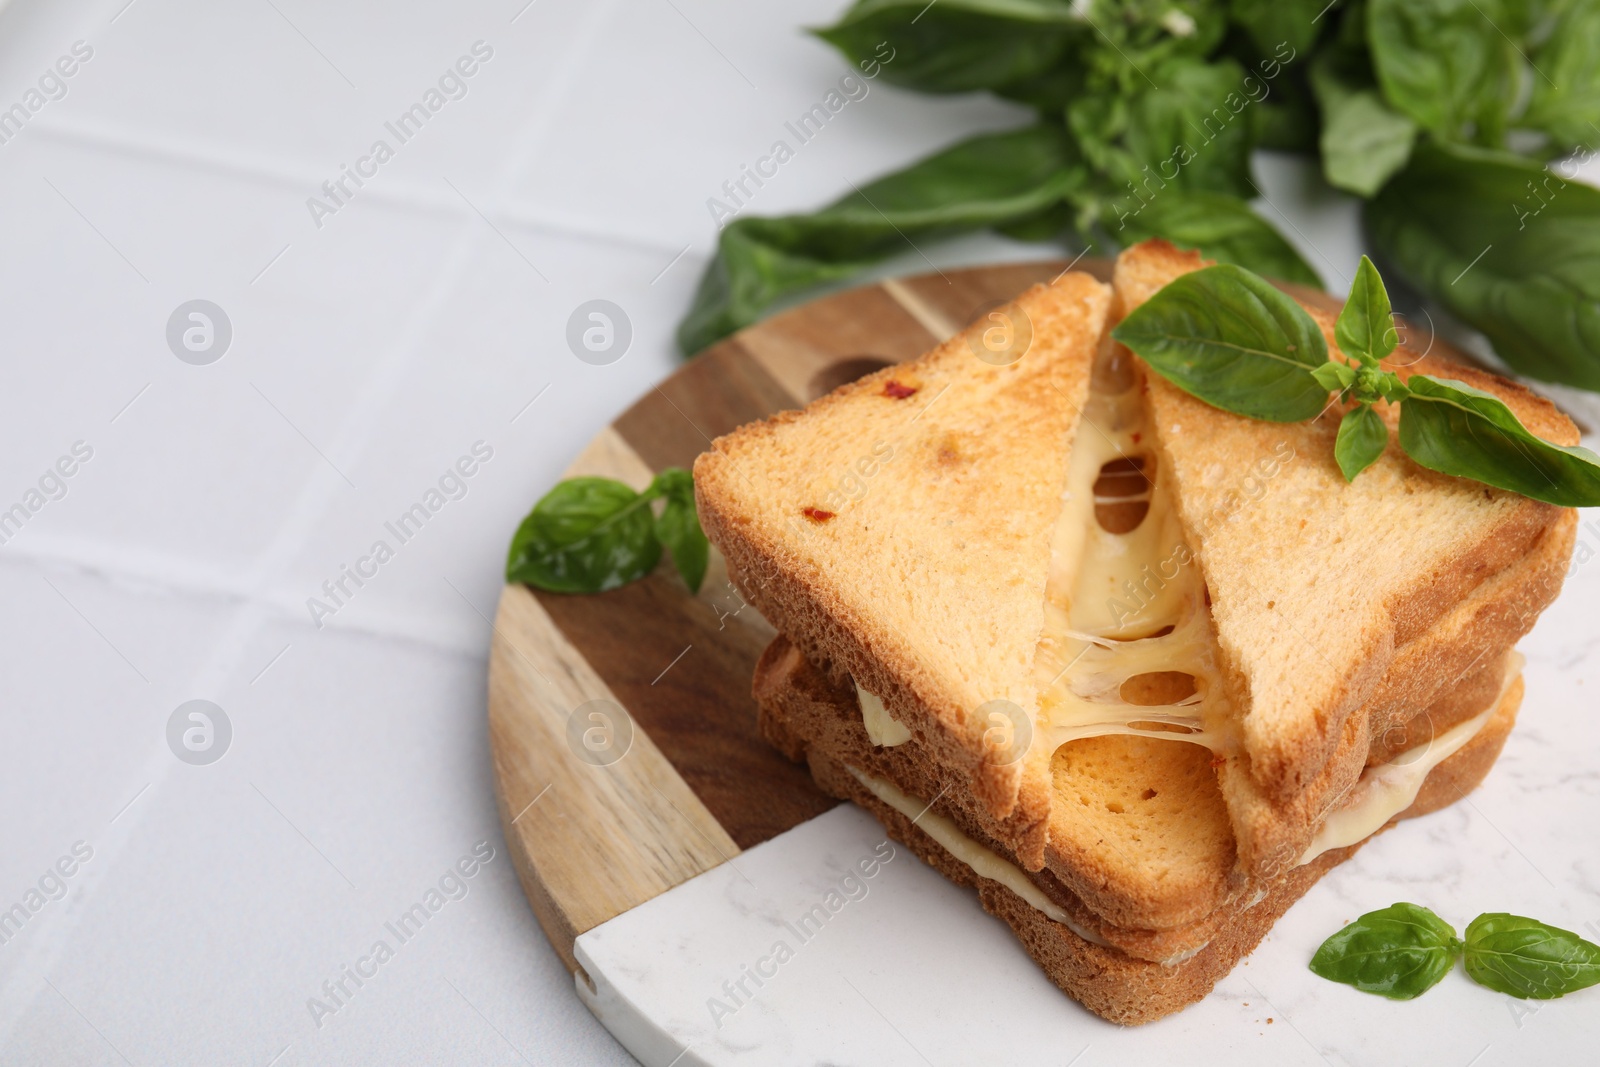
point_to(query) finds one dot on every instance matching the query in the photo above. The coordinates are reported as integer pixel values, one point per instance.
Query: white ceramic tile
(93, 668)
(383, 343)
(340, 797)
(169, 466)
(644, 163)
(493, 366)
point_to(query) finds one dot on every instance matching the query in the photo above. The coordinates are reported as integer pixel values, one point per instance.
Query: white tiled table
(367, 355)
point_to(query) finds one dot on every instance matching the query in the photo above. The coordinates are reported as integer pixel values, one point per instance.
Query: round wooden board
(621, 725)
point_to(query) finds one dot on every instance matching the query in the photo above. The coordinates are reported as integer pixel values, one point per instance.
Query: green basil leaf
(957, 46)
(1362, 437)
(1451, 427)
(1528, 959)
(1189, 130)
(1365, 329)
(1046, 225)
(1335, 376)
(981, 182)
(1399, 952)
(1286, 121)
(1221, 226)
(1271, 23)
(1566, 88)
(678, 526)
(1445, 64)
(584, 536)
(1231, 339)
(1507, 247)
(1364, 141)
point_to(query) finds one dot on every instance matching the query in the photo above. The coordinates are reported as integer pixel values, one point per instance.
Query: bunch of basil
(1443, 114)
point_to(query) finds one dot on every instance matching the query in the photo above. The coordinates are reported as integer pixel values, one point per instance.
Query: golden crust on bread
(1313, 595)
(1121, 980)
(1139, 840)
(900, 527)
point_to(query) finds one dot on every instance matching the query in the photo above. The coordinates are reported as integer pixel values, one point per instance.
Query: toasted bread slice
(1125, 975)
(1140, 840)
(1312, 595)
(1327, 635)
(900, 528)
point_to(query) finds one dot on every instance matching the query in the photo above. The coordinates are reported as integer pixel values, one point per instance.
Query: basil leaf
(1335, 375)
(1221, 226)
(1445, 65)
(1234, 341)
(957, 46)
(1362, 437)
(1188, 130)
(981, 182)
(1506, 247)
(1365, 329)
(1271, 23)
(678, 526)
(1566, 91)
(1451, 427)
(1399, 952)
(1364, 141)
(1528, 959)
(584, 536)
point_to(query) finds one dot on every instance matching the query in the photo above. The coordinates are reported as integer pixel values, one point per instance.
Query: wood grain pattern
(698, 784)
(588, 841)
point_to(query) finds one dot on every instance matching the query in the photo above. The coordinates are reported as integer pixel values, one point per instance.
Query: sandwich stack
(1139, 670)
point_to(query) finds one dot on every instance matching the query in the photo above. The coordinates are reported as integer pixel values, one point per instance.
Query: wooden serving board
(622, 729)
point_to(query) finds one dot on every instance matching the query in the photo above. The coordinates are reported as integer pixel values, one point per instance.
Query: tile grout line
(354, 438)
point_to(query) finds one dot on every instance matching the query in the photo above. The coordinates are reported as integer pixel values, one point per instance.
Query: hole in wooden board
(843, 372)
(1122, 494)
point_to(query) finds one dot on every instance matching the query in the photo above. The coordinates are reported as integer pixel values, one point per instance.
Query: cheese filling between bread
(986, 863)
(1124, 606)
(1386, 790)
(883, 729)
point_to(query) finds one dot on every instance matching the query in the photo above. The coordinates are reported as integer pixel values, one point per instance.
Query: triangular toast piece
(1315, 582)
(900, 528)
(1128, 974)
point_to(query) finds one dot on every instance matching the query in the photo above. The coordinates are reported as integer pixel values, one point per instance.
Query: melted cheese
(883, 729)
(1390, 788)
(988, 864)
(1121, 605)
(984, 862)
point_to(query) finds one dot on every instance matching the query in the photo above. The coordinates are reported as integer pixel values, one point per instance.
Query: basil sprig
(1230, 338)
(1443, 116)
(589, 534)
(1404, 950)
